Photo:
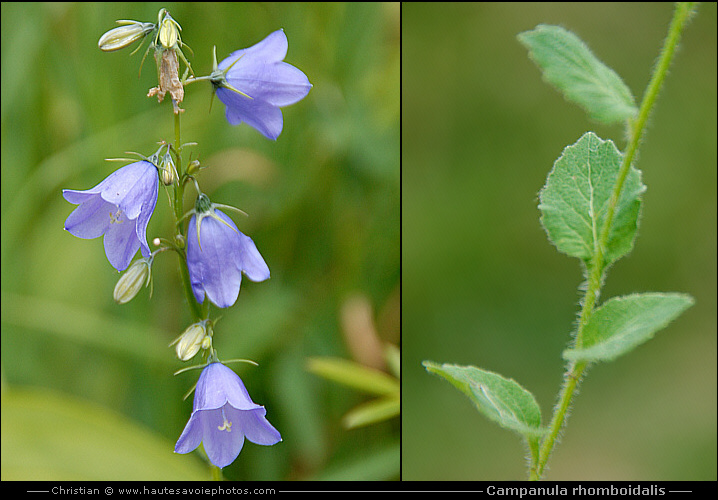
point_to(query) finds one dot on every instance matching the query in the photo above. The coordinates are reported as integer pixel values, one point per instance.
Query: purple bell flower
(119, 207)
(217, 255)
(255, 82)
(223, 414)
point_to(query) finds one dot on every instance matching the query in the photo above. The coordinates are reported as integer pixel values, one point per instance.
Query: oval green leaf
(575, 200)
(570, 66)
(500, 399)
(623, 323)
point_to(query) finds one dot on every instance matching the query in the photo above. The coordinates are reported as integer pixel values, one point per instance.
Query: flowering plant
(254, 83)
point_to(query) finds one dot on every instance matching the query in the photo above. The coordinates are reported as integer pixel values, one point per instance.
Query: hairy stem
(178, 203)
(198, 311)
(596, 267)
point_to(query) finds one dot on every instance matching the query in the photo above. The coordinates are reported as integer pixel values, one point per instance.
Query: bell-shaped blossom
(255, 82)
(223, 414)
(120, 208)
(217, 255)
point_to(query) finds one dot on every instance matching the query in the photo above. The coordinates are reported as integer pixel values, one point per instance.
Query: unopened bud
(134, 278)
(168, 172)
(191, 340)
(193, 167)
(121, 37)
(169, 32)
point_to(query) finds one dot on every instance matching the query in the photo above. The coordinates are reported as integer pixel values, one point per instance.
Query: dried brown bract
(169, 80)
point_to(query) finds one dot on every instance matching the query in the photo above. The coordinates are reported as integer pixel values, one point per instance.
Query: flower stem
(199, 311)
(195, 307)
(597, 265)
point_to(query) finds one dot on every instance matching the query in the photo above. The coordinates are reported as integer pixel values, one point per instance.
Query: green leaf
(502, 400)
(575, 199)
(373, 411)
(570, 66)
(623, 323)
(354, 375)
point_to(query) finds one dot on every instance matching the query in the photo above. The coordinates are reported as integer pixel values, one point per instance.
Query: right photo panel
(558, 241)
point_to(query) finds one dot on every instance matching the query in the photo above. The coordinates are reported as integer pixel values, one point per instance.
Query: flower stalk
(597, 267)
(213, 254)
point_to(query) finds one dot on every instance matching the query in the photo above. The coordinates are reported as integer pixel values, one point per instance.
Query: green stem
(194, 306)
(198, 311)
(216, 473)
(681, 15)
(597, 266)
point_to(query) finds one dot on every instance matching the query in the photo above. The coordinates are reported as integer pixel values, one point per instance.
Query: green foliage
(590, 207)
(623, 323)
(502, 400)
(481, 283)
(363, 378)
(576, 197)
(569, 65)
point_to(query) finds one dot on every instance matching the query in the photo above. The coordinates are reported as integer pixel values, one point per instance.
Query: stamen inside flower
(227, 425)
(116, 218)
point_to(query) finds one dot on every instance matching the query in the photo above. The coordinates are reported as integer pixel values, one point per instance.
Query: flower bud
(121, 37)
(130, 283)
(169, 32)
(193, 167)
(168, 172)
(191, 340)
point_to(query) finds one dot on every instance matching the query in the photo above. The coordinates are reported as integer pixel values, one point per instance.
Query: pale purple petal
(131, 187)
(121, 242)
(258, 429)
(223, 415)
(119, 207)
(272, 49)
(250, 260)
(218, 385)
(216, 261)
(191, 436)
(222, 446)
(210, 261)
(89, 220)
(260, 73)
(261, 115)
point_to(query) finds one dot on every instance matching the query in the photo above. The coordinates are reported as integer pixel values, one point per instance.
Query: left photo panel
(201, 241)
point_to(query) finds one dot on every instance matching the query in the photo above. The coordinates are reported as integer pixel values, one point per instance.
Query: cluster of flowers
(253, 83)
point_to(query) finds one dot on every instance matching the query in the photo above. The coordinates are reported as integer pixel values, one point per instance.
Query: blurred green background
(482, 285)
(324, 211)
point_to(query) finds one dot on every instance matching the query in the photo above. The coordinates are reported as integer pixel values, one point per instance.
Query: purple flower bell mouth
(217, 255)
(119, 208)
(255, 82)
(223, 414)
